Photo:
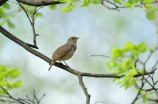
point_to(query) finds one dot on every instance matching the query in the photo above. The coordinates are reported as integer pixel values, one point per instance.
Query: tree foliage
(122, 63)
(5, 75)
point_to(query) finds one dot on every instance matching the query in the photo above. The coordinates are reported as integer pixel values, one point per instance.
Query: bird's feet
(66, 64)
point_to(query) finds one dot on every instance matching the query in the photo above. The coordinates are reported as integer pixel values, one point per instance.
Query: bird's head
(72, 40)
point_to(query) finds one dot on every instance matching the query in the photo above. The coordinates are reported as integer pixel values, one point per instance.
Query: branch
(2, 2)
(19, 100)
(39, 2)
(11, 96)
(67, 68)
(154, 100)
(115, 6)
(59, 65)
(32, 25)
(120, 7)
(139, 92)
(84, 89)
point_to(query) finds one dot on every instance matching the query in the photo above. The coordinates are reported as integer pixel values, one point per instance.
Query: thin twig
(11, 96)
(99, 102)
(105, 56)
(84, 89)
(33, 27)
(20, 100)
(32, 24)
(25, 12)
(142, 84)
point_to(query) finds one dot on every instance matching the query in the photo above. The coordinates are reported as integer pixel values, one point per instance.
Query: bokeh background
(99, 30)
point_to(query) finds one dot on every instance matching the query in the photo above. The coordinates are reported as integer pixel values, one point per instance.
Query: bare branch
(2, 2)
(11, 96)
(84, 89)
(39, 2)
(99, 102)
(150, 55)
(142, 85)
(20, 100)
(25, 12)
(32, 24)
(154, 100)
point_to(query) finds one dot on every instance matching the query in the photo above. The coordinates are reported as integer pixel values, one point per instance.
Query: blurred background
(99, 30)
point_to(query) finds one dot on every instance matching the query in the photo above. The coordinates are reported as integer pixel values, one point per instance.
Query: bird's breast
(67, 56)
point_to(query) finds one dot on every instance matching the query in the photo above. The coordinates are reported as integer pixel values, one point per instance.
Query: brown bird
(64, 52)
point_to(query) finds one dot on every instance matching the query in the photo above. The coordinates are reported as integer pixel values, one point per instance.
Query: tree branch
(67, 68)
(154, 100)
(20, 100)
(32, 25)
(84, 89)
(139, 92)
(45, 58)
(39, 2)
(2, 2)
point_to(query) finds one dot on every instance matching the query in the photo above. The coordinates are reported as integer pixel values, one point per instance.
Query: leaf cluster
(6, 18)
(8, 73)
(123, 60)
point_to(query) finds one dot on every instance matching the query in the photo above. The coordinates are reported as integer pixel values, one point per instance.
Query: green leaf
(114, 79)
(150, 49)
(63, 0)
(17, 84)
(2, 68)
(68, 7)
(38, 15)
(96, 1)
(129, 46)
(1, 24)
(3, 83)
(144, 98)
(146, 1)
(1, 76)
(14, 84)
(131, 3)
(12, 73)
(2, 13)
(10, 24)
(141, 47)
(148, 5)
(125, 64)
(15, 73)
(85, 4)
(118, 1)
(6, 5)
(157, 30)
(3, 92)
(116, 52)
(153, 9)
(132, 72)
(121, 80)
(127, 4)
(52, 6)
(150, 15)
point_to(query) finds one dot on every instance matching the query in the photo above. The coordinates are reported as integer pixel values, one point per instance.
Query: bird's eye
(72, 38)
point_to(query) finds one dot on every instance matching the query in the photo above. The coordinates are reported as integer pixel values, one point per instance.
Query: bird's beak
(78, 37)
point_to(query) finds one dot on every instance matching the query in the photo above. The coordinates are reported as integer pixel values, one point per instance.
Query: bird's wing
(62, 51)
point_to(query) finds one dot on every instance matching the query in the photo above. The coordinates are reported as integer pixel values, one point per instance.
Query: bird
(64, 52)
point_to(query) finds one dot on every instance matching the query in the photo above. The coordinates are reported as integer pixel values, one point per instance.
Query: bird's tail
(52, 63)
